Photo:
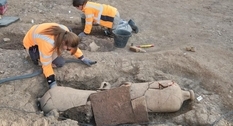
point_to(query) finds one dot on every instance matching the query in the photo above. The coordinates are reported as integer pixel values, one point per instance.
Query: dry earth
(171, 25)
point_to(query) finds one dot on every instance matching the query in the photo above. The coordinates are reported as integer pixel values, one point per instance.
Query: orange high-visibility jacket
(45, 45)
(98, 13)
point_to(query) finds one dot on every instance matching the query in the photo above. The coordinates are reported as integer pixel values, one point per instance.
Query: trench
(106, 45)
(194, 79)
(80, 113)
(15, 42)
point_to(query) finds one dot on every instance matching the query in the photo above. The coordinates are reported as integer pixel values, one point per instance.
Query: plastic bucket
(121, 37)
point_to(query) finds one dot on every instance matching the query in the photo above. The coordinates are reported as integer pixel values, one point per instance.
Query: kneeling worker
(102, 14)
(45, 43)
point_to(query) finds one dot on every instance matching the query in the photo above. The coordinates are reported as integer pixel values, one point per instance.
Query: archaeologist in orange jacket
(102, 14)
(45, 43)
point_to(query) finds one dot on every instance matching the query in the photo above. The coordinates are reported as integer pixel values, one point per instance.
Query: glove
(51, 81)
(82, 34)
(88, 62)
(52, 85)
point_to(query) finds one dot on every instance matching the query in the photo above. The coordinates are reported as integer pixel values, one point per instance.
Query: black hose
(36, 73)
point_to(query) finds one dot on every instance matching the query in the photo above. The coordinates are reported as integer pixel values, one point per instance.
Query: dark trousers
(35, 57)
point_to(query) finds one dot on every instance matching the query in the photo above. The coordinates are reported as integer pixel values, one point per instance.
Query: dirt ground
(172, 26)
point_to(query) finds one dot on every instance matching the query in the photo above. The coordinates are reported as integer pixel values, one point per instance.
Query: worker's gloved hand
(88, 62)
(82, 34)
(51, 81)
(54, 84)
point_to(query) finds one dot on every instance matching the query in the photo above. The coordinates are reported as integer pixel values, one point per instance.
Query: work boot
(133, 26)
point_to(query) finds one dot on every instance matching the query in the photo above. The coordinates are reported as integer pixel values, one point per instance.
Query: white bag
(124, 25)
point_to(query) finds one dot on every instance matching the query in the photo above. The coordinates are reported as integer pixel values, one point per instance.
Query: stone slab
(140, 110)
(5, 21)
(112, 107)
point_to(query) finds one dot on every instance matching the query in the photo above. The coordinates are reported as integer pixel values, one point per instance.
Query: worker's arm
(89, 21)
(80, 56)
(46, 61)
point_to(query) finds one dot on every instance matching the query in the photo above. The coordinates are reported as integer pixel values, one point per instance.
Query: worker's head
(79, 4)
(63, 40)
(70, 42)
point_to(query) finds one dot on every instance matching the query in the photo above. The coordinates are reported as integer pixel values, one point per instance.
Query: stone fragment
(6, 39)
(191, 49)
(112, 107)
(94, 47)
(140, 110)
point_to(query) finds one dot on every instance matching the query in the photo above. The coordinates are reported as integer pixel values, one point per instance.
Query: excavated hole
(15, 42)
(90, 84)
(104, 43)
(187, 105)
(80, 113)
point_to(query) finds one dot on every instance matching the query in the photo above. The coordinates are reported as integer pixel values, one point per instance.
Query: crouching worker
(104, 15)
(45, 43)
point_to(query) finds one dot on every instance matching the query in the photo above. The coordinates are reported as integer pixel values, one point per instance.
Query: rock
(41, 122)
(192, 49)
(179, 119)
(53, 113)
(202, 119)
(212, 118)
(6, 39)
(190, 117)
(94, 47)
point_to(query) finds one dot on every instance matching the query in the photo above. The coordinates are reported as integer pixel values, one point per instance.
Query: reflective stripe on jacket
(98, 13)
(45, 45)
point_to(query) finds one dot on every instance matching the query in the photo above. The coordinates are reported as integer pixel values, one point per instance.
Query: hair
(62, 38)
(77, 3)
